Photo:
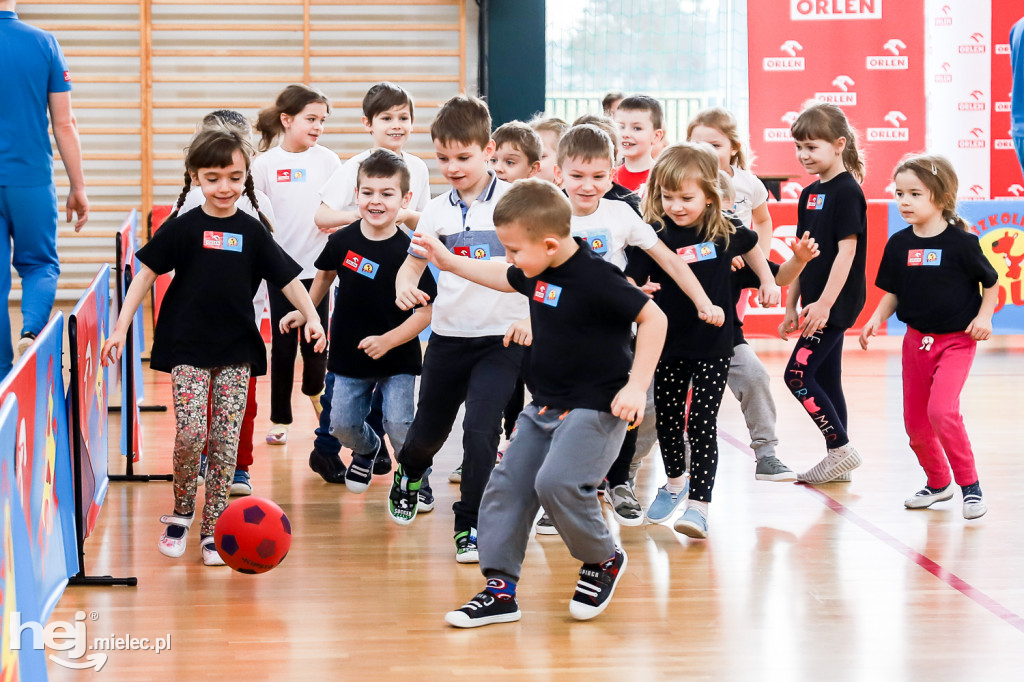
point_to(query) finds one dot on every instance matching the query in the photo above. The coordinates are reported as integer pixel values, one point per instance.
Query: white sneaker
(169, 545)
(211, 557)
(278, 434)
(974, 506)
(838, 461)
(925, 497)
(24, 343)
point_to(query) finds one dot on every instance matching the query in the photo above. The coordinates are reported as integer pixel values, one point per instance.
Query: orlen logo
(791, 190)
(834, 9)
(945, 18)
(894, 134)
(1002, 48)
(975, 46)
(976, 140)
(843, 98)
(790, 63)
(944, 75)
(782, 134)
(890, 62)
(1001, 107)
(1004, 144)
(976, 103)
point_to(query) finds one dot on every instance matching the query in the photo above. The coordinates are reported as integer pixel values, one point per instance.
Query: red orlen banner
(866, 56)
(764, 322)
(1006, 178)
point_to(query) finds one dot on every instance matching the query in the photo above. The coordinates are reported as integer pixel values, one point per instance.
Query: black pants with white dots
(672, 381)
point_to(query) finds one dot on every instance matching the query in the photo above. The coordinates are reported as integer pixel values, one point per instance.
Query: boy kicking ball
(588, 387)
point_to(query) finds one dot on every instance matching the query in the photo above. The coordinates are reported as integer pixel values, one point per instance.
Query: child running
(373, 343)
(931, 272)
(206, 337)
(584, 394)
(291, 175)
(832, 287)
(682, 199)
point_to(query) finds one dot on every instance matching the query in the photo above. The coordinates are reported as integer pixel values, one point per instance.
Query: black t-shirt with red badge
(935, 279)
(689, 338)
(206, 316)
(831, 212)
(582, 313)
(365, 303)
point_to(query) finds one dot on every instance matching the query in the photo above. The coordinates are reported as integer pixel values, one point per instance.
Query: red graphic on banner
(865, 56)
(1006, 180)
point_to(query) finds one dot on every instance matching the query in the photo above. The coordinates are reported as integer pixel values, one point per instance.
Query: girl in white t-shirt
(718, 128)
(291, 174)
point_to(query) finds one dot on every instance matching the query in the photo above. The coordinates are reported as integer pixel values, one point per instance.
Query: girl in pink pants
(934, 272)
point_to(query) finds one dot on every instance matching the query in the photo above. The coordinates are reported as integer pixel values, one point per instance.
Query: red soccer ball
(253, 535)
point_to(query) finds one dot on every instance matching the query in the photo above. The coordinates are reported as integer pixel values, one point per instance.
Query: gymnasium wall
(145, 71)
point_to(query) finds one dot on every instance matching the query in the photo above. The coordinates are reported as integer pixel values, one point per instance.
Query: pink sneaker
(174, 546)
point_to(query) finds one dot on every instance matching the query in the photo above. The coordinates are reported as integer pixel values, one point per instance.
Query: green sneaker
(403, 498)
(466, 551)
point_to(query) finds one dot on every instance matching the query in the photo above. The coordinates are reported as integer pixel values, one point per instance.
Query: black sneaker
(330, 467)
(466, 551)
(596, 586)
(426, 498)
(486, 608)
(360, 471)
(403, 498)
(382, 462)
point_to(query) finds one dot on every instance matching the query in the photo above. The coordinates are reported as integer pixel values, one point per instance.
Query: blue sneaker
(240, 485)
(203, 468)
(692, 524)
(665, 504)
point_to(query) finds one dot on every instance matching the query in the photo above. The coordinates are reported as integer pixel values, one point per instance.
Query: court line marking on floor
(948, 577)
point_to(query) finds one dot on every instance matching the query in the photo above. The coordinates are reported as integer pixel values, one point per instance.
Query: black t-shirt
(935, 279)
(744, 278)
(832, 211)
(689, 338)
(620, 193)
(206, 318)
(582, 313)
(365, 304)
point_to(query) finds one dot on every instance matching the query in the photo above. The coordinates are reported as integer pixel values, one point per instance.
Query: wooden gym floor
(838, 582)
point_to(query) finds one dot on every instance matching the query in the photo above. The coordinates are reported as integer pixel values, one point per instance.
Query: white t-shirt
(195, 199)
(293, 182)
(340, 190)
(462, 308)
(750, 193)
(613, 227)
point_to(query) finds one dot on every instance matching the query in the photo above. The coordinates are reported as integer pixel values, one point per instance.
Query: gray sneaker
(625, 507)
(769, 468)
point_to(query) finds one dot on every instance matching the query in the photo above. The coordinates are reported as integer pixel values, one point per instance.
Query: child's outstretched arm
(629, 402)
(298, 297)
(321, 285)
(886, 307)
(377, 346)
(789, 322)
(114, 345)
(804, 251)
(679, 271)
(329, 220)
(816, 314)
(761, 223)
(980, 327)
(488, 273)
(408, 294)
(770, 294)
(520, 331)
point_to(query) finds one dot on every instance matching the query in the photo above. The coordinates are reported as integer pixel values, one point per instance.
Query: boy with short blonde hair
(640, 120)
(517, 151)
(466, 360)
(588, 386)
(550, 130)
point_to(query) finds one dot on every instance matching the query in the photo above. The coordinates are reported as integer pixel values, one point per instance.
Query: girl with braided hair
(206, 336)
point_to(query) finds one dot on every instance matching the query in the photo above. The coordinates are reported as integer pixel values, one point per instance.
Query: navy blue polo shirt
(33, 67)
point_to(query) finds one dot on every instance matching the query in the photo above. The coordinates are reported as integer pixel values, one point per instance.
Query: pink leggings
(935, 368)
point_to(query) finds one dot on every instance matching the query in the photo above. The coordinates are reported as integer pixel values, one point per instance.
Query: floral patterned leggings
(227, 388)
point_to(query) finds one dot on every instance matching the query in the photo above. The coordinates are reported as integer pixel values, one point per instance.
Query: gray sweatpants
(646, 436)
(557, 460)
(748, 381)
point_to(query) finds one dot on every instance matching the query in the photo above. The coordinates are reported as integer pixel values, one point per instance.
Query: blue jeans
(350, 406)
(28, 221)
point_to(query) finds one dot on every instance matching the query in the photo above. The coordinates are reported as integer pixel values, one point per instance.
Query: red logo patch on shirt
(815, 202)
(284, 175)
(352, 261)
(213, 240)
(67, 76)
